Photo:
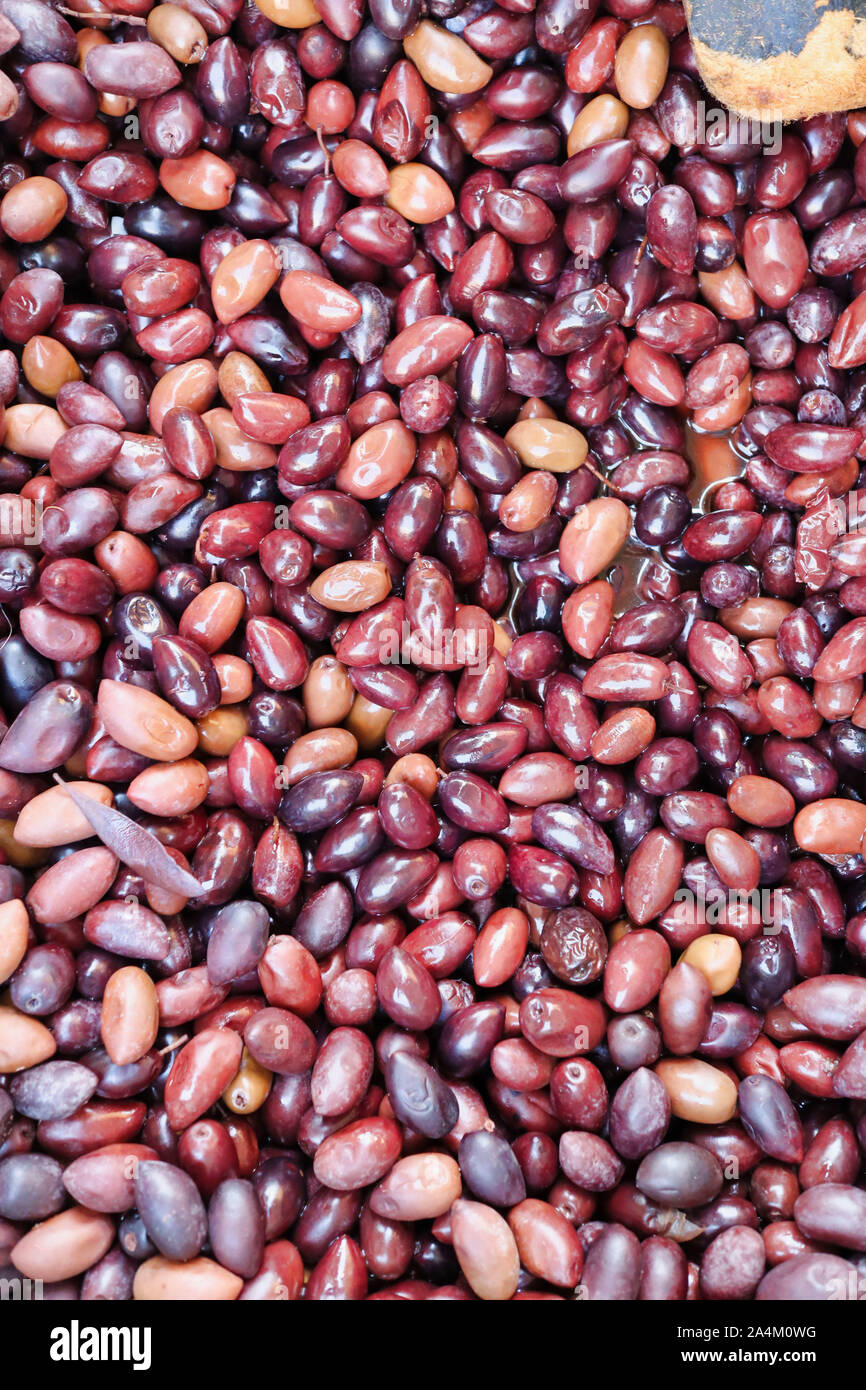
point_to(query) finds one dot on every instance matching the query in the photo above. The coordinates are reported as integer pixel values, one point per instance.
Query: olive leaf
(137, 848)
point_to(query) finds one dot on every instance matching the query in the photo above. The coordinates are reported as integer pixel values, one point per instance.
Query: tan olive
(698, 1092)
(718, 958)
(63, 1246)
(641, 65)
(603, 118)
(165, 901)
(48, 365)
(219, 731)
(418, 193)
(592, 538)
(831, 826)
(327, 692)
(377, 461)
(502, 640)
(52, 818)
(178, 32)
(9, 99)
(235, 677)
(290, 14)
(445, 61)
(112, 104)
(239, 375)
(368, 722)
(352, 585)
(460, 497)
(145, 723)
(212, 616)
(619, 930)
(193, 384)
(549, 444)
(32, 208)
(756, 617)
(486, 1250)
(761, 801)
(415, 770)
(419, 1187)
(623, 735)
(527, 504)
(22, 856)
(242, 279)
(129, 1021)
(727, 412)
(534, 408)
(76, 764)
(321, 750)
(195, 1281)
(32, 430)
(728, 291)
(24, 1041)
(201, 180)
(234, 449)
(170, 789)
(14, 935)
(248, 1089)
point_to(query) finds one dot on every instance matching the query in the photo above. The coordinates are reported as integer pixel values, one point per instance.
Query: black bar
(189, 1340)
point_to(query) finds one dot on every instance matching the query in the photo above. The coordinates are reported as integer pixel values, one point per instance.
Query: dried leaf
(134, 846)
